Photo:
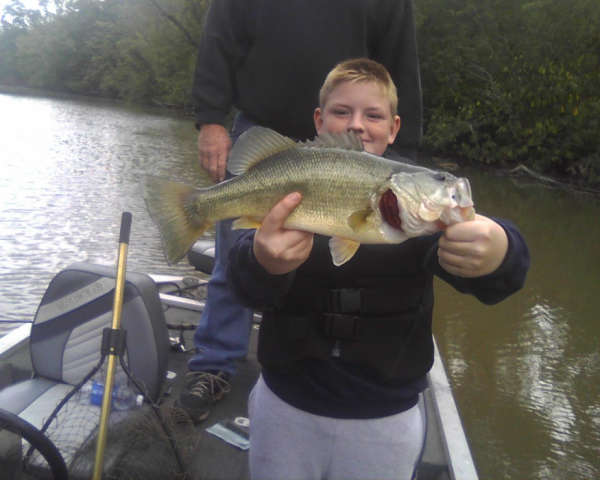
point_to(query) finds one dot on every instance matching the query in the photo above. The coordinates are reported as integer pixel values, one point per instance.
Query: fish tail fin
(173, 209)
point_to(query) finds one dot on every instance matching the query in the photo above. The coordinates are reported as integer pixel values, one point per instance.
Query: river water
(524, 372)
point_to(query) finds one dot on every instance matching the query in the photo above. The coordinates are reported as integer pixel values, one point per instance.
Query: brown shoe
(201, 391)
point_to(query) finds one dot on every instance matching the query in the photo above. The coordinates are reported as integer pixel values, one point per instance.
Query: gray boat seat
(65, 344)
(202, 255)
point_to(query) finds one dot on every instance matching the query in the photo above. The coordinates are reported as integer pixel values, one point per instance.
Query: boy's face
(363, 108)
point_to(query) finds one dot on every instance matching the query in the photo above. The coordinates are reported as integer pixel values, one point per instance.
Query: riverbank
(173, 110)
(37, 92)
(520, 173)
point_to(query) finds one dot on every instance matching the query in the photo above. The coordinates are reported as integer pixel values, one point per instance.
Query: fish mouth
(456, 215)
(463, 195)
(389, 209)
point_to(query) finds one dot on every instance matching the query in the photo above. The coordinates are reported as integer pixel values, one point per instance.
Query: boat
(214, 449)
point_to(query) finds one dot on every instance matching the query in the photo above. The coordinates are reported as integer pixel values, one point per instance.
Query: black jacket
(269, 59)
(331, 387)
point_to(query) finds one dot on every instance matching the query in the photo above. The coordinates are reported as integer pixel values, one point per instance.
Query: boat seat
(65, 343)
(202, 256)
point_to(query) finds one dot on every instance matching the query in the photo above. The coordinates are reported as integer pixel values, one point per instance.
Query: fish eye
(440, 177)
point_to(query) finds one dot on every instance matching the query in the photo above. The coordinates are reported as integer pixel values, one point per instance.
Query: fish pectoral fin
(342, 249)
(246, 223)
(357, 221)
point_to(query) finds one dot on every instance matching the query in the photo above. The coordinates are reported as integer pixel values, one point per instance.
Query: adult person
(268, 59)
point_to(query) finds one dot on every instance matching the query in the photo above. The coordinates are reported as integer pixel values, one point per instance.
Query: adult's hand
(277, 249)
(474, 248)
(214, 146)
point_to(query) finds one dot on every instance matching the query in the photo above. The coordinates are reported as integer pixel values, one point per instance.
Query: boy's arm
(262, 263)
(489, 287)
(252, 285)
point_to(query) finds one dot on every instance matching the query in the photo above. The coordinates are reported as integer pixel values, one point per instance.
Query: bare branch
(175, 22)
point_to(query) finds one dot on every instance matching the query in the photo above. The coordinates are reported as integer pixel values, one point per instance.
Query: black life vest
(382, 324)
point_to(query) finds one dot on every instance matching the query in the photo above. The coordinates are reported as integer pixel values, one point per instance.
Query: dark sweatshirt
(269, 59)
(333, 388)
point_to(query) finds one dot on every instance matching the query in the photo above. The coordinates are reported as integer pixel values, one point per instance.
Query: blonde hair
(360, 70)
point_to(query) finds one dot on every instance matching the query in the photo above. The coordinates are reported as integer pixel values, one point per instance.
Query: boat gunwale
(460, 460)
(14, 340)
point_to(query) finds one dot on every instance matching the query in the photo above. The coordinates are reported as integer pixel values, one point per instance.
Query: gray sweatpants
(290, 444)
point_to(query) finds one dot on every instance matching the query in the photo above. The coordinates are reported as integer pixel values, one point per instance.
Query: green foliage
(136, 50)
(504, 81)
(510, 81)
(9, 70)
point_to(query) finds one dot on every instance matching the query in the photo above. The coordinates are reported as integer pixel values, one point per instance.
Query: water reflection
(545, 340)
(70, 168)
(541, 368)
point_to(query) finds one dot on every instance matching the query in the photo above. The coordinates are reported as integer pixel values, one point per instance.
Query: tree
(513, 82)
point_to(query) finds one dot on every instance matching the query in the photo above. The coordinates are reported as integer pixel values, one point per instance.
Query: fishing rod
(113, 343)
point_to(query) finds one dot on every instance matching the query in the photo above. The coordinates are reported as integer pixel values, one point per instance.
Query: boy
(350, 411)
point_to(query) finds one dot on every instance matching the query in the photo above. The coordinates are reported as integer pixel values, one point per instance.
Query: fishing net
(143, 442)
(138, 448)
(10, 446)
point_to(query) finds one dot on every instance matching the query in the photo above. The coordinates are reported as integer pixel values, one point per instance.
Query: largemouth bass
(348, 194)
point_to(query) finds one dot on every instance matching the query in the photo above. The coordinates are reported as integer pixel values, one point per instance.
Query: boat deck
(214, 458)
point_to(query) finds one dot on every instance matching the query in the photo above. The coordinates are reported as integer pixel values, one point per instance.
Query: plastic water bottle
(124, 397)
(84, 395)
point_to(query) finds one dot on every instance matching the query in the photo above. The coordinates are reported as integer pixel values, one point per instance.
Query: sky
(30, 4)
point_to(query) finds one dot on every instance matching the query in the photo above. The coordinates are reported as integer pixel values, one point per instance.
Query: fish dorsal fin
(255, 145)
(343, 140)
(342, 249)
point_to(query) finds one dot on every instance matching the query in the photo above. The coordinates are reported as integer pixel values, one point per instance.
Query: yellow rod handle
(104, 417)
(112, 358)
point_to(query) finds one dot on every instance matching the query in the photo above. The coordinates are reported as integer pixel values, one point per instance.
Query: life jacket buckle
(345, 300)
(343, 327)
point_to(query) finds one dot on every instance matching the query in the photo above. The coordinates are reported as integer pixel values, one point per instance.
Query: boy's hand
(279, 250)
(473, 249)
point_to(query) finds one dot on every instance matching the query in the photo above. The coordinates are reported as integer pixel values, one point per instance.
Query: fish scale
(332, 185)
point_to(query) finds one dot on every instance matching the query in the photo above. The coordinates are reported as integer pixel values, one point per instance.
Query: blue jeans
(224, 331)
